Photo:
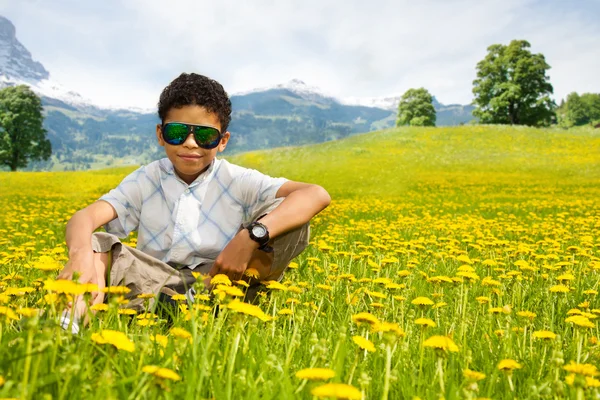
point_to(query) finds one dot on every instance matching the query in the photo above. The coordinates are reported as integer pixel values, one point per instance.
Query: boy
(193, 212)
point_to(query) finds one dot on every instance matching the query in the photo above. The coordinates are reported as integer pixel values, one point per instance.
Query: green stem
(236, 343)
(388, 368)
(440, 371)
(27, 362)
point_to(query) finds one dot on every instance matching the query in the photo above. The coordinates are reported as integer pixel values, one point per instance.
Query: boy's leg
(122, 265)
(271, 266)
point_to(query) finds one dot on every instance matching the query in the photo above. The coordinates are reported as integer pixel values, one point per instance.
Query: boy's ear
(161, 142)
(224, 141)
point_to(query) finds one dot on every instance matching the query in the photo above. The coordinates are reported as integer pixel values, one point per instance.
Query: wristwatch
(260, 234)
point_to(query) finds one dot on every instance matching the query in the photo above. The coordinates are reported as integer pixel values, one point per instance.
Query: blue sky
(123, 52)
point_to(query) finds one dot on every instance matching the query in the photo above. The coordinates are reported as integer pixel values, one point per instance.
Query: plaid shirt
(187, 224)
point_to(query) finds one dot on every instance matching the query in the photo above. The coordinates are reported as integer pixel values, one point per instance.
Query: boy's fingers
(214, 270)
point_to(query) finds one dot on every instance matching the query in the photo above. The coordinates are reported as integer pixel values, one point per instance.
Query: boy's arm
(78, 236)
(302, 202)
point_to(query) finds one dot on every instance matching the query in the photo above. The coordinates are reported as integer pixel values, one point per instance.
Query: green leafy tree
(22, 136)
(579, 110)
(592, 102)
(416, 108)
(512, 87)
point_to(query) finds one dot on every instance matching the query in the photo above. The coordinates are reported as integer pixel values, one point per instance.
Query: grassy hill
(405, 162)
(390, 162)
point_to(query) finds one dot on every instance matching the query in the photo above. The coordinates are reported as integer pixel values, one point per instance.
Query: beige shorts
(142, 273)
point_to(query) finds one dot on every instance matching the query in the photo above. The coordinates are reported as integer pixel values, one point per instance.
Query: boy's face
(188, 158)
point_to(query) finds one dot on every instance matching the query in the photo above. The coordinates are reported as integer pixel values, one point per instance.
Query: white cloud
(124, 52)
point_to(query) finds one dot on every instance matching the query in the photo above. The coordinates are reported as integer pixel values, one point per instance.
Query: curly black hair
(195, 89)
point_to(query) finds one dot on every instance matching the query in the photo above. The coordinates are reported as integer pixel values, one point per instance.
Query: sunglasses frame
(191, 130)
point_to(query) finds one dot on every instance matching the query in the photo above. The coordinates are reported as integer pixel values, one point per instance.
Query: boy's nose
(190, 141)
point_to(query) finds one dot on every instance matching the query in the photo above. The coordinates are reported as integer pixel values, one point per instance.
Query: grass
(489, 234)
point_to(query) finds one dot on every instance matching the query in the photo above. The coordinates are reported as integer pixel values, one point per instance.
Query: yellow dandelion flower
(115, 338)
(508, 365)
(179, 297)
(146, 296)
(464, 258)
(274, 285)
(164, 373)
(99, 307)
(8, 312)
(527, 314)
(28, 312)
(425, 322)
(442, 343)
(422, 301)
(252, 273)
(116, 289)
(395, 286)
(581, 369)
(146, 322)
(2, 380)
(364, 343)
(221, 279)
(338, 391)
(69, 287)
(180, 333)
(324, 287)
(565, 277)
(389, 327)
(544, 335)
(315, 374)
(285, 311)
(127, 311)
(293, 265)
(242, 283)
(560, 289)
(473, 376)
(248, 309)
(365, 317)
(580, 320)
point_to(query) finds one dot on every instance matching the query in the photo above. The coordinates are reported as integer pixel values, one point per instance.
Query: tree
(512, 87)
(22, 136)
(416, 108)
(579, 110)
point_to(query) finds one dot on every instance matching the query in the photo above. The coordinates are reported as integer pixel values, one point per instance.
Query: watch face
(259, 231)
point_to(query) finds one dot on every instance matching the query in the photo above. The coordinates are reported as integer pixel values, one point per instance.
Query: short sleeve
(126, 199)
(257, 189)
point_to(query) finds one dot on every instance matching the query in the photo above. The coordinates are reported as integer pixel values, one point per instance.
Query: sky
(123, 52)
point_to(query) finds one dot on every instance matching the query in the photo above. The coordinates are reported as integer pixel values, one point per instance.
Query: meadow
(452, 263)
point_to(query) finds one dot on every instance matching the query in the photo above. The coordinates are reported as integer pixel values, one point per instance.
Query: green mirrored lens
(175, 133)
(206, 136)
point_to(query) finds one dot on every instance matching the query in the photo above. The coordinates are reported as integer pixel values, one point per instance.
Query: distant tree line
(511, 87)
(579, 110)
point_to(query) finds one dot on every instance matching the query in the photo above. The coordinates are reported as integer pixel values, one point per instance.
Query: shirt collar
(167, 166)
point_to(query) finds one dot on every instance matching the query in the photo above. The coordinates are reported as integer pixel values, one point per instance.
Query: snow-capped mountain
(298, 87)
(386, 102)
(17, 67)
(314, 93)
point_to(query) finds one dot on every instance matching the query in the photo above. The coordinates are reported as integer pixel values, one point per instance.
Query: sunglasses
(175, 133)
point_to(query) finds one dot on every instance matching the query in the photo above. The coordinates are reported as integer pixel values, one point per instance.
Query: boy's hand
(83, 263)
(234, 258)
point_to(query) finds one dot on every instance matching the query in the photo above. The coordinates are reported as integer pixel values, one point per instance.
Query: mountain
(86, 136)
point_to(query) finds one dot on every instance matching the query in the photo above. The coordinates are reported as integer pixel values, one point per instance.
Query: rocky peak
(15, 60)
